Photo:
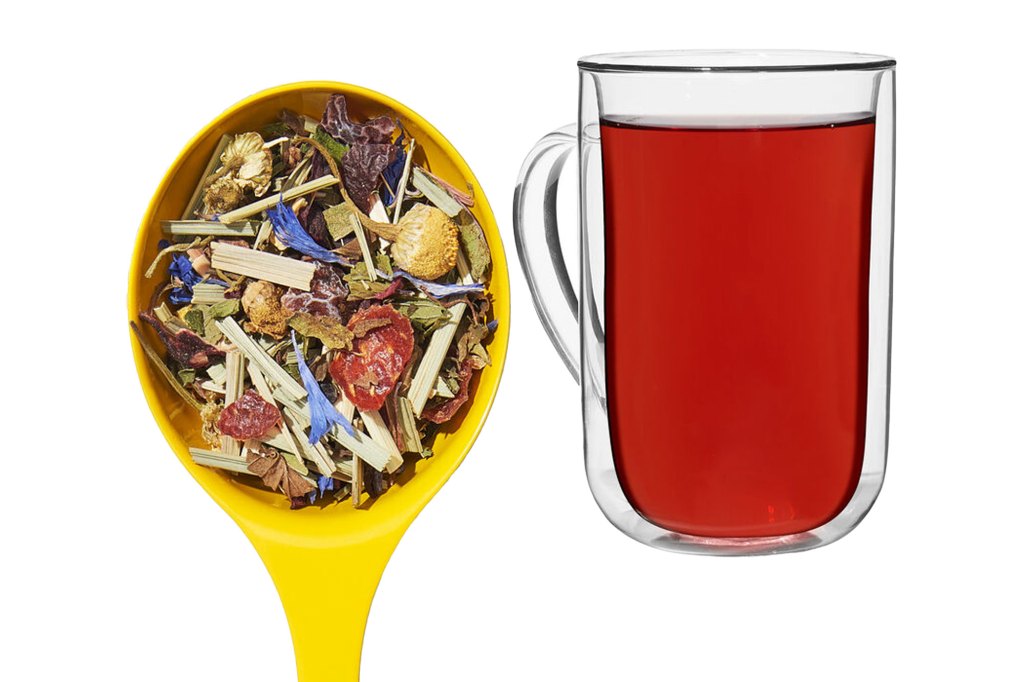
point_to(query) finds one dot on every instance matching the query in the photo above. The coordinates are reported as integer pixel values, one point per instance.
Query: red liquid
(736, 303)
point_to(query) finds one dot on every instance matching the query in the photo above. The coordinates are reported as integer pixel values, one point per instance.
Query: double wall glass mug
(731, 333)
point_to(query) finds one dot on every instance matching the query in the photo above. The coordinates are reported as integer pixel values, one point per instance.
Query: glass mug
(736, 221)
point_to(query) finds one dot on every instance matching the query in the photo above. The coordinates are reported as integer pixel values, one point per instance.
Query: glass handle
(540, 252)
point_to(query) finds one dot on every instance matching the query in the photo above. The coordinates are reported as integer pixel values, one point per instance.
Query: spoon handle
(327, 636)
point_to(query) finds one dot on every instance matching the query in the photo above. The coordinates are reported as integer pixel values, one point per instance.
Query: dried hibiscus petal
(184, 345)
(361, 168)
(442, 412)
(337, 124)
(248, 417)
(369, 373)
(326, 295)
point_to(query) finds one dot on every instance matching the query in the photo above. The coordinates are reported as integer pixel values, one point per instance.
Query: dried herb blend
(324, 307)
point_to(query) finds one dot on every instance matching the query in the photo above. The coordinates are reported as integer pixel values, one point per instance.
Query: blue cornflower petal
(289, 230)
(322, 413)
(492, 325)
(325, 484)
(393, 173)
(438, 290)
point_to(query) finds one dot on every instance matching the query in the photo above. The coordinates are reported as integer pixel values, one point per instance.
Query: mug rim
(733, 61)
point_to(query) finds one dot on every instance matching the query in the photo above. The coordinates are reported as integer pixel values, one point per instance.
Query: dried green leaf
(339, 220)
(335, 148)
(426, 316)
(186, 376)
(330, 330)
(223, 308)
(384, 263)
(195, 318)
(474, 245)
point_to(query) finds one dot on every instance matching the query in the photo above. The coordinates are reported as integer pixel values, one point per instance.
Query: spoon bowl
(333, 548)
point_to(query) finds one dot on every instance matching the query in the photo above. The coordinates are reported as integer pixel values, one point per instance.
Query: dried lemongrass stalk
(206, 228)
(281, 270)
(234, 363)
(192, 207)
(266, 232)
(423, 381)
(283, 440)
(378, 431)
(207, 293)
(364, 246)
(314, 453)
(403, 181)
(217, 372)
(163, 370)
(219, 460)
(435, 193)
(259, 381)
(271, 201)
(361, 444)
(256, 354)
(357, 481)
(407, 425)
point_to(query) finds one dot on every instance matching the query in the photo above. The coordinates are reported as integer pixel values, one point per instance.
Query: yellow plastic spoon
(337, 547)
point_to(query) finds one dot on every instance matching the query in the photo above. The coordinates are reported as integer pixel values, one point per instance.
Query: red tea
(736, 321)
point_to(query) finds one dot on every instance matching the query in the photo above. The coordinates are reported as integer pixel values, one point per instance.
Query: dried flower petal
(184, 345)
(290, 232)
(249, 163)
(322, 413)
(224, 195)
(439, 290)
(326, 295)
(336, 122)
(361, 169)
(262, 304)
(427, 243)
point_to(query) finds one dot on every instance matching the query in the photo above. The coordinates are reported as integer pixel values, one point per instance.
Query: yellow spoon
(338, 548)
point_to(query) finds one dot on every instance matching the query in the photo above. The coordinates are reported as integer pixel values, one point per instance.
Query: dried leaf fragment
(268, 464)
(330, 330)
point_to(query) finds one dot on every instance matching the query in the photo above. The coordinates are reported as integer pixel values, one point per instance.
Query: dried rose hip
(369, 372)
(248, 417)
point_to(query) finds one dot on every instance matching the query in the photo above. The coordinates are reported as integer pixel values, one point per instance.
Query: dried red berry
(248, 417)
(369, 372)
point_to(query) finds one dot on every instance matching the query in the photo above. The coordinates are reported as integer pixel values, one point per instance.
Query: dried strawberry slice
(248, 417)
(368, 373)
(442, 412)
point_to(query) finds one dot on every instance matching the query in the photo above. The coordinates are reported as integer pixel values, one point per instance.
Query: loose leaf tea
(324, 305)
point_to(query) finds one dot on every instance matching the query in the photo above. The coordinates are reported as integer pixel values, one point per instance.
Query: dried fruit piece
(369, 372)
(326, 295)
(361, 169)
(262, 304)
(336, 122)
(427, 244)
(442, 412)
(248, 417)
(184, 345)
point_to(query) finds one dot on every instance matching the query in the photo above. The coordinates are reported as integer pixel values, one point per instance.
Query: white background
(116, 566)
